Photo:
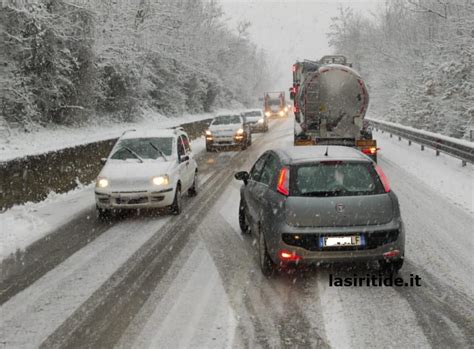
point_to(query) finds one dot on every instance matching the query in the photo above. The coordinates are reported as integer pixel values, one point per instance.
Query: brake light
(283, 185)
(295, 109)
(370, 151)
(383, 178)
(288, 256)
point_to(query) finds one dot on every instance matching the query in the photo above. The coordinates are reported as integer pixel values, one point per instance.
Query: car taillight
(383, 178)
(296, 109)
(288, 256)
(370, 151)
(283, 185)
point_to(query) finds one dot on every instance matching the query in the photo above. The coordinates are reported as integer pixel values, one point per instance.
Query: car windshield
(145, 148)
(252, 114)
(335, 179)
(226, 120)
(274, 102)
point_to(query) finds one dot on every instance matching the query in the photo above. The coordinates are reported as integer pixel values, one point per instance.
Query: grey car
(316, 204)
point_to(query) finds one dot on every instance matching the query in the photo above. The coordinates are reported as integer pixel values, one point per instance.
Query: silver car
(317, 204)
(256, 119)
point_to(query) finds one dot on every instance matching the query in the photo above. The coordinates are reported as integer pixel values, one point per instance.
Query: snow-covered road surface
(194, 281)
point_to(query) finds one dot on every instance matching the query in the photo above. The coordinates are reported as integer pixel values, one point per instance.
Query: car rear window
(143, 148)
(335, 179)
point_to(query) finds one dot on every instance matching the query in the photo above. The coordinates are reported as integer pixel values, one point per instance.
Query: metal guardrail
(452, 146)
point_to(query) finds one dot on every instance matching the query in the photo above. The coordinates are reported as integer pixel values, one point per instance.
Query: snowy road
(193, 280)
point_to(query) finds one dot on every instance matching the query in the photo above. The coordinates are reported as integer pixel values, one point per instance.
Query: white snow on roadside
(442, 173)
(18, 144)
(22, 225)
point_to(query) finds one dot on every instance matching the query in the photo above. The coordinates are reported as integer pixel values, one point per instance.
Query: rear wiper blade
(133, 153)
(158, 150)
(337, 192)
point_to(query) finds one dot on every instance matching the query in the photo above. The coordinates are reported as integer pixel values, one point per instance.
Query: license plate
(335, 241)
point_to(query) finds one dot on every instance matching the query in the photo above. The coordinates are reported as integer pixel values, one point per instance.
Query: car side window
(257, 168)
(269, 170)
(181, 148)
(187, 146)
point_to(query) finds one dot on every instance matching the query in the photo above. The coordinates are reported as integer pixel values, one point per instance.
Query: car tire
(250, 140)
(266, 264)
(243, 146)
(209, 148)
(104, 214)
(176, 207)
(194, 188)
(243, 223)
(391, 266)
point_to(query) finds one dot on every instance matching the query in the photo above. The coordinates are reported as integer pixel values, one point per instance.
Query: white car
(228, 130)
(256, 120)
(147, 169)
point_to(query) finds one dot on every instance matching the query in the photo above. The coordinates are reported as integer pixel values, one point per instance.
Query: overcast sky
(289, 30)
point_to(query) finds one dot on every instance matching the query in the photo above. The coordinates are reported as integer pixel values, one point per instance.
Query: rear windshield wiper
(158, 150)
(133, 153)
(337, 192)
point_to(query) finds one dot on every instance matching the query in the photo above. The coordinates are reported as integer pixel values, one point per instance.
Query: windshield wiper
(133, 153)
(158, 150)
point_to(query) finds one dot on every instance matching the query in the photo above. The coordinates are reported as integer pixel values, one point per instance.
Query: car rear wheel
(176, 205)
(266, 264)
(391, 266)
(194, 188)
(244, 227)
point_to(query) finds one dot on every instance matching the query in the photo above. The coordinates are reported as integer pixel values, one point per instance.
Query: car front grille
(311, 242)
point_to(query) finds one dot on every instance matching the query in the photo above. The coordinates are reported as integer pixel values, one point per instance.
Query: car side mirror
(183, 158)
(242, 176)
(103, 161)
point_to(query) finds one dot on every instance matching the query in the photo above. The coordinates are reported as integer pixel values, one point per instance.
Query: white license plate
(342, 241)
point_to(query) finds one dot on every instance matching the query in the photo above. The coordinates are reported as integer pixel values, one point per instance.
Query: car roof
(164, 132)
(299, 154)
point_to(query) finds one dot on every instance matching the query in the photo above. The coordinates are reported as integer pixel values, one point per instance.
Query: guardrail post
(437, 152)
(409, 142)
(391, 135)
(399, 138)
(463, 163)
(422, 147)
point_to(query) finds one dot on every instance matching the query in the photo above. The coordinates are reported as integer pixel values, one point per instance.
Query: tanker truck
(330, 101)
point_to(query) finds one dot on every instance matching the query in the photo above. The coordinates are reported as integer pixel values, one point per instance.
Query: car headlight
(267, 113)
(282, 113)
(240, 131)
(260, 121)
(102, 182)
(286, 109)
(208, 133)
(160, 180)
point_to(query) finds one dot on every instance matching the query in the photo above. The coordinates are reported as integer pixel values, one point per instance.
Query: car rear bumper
(258, 127)
(383, 242)
(134, 199)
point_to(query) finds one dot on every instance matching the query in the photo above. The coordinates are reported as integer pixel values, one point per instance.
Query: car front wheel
(176, 205)
(194, 188)
(244, 227)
